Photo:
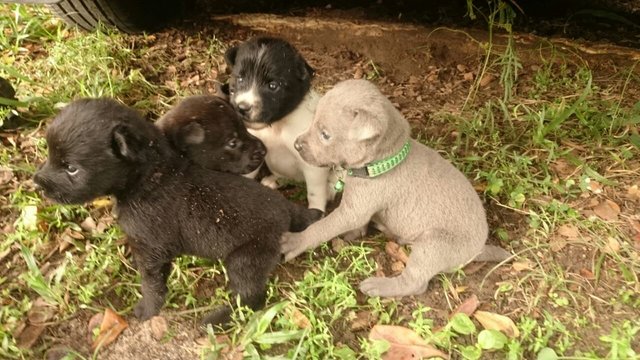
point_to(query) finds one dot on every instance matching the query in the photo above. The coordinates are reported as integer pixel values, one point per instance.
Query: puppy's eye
(274, 85)
(325, 135)
(232, 144)
(71, 170)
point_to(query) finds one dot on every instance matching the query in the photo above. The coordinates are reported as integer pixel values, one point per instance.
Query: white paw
(270, 181)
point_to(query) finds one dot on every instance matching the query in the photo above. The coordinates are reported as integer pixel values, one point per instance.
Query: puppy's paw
(144, 311)
(270, 181)
(218, 317)
(291, 245)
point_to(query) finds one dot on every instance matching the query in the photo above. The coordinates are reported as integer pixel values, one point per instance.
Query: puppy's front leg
(336, 223)
(154, 275)
(317, 189)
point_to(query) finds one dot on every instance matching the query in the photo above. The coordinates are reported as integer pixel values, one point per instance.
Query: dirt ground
(423, 69)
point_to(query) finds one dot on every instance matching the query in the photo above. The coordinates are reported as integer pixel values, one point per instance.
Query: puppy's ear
(230, 56)
(366, 126)
(126, 143)
(190, 134)
(306, 71)
(222, 91)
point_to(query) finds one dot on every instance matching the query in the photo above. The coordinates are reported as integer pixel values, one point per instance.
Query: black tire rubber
(130, 16)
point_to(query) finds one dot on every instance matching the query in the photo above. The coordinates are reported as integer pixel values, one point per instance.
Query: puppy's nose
(244, 108)
(297, 145)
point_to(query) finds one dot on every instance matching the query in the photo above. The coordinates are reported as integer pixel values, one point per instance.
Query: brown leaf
(88, 225)
(607, 210)
(300, 319)
(562, 168)
(93, 328)
(40, 312)
(520, 266)
(557, 243)
(404, 343)
(112, 325)
(486, 80)
(6, 174)
(363, 320)
(569, 231)
(396, 252)
(595, 187)
(612, 246)
(29, 335)
(468, 76)
(493, 321)
(587, 274)
(158, 327)
(468, 307)
(633, 193)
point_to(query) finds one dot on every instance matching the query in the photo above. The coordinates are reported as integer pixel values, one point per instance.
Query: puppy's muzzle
(244, 108)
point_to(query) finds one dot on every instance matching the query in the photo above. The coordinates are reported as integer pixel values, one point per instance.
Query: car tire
(130, 16)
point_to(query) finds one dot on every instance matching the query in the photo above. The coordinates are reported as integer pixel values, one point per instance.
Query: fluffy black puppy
(166, 205)
(208, 131)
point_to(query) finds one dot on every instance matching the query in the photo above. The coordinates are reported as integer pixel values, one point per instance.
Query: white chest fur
(282, 158)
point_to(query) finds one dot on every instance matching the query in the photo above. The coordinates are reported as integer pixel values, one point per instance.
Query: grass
(539, 155)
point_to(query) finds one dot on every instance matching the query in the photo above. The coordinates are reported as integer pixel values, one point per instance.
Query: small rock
(358, 74)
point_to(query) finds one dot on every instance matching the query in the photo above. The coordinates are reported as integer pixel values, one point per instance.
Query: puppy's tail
(302, 217)
(493, 254)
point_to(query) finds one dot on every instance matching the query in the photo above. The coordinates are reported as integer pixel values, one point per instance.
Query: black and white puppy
(270, 86)
(167, 205)
(208, 131)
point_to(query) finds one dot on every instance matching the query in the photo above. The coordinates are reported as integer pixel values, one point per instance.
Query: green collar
(377, 168)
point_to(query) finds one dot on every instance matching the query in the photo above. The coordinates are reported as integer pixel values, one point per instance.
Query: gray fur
(425, 201)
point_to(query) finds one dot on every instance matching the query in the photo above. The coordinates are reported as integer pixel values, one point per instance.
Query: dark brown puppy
(167, 206)
(208, 131)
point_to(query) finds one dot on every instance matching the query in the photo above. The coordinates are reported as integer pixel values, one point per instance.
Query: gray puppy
(395, 181)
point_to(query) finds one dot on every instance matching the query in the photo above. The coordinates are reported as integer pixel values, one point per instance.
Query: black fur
(167, 206)
(207, 130)
(260, 62)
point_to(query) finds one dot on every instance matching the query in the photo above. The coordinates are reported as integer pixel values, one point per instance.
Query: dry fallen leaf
(607, 210)
(112, 325)
(468, 307)
(612, 246)
(473, 267)
(38, 315)
(569, 231)
(587, 274)
(299, 318)
(6, 174)
(363, 320)
(633, 193)
(493, 321)
(158, 327)
(519, 266)
(404, 343)
(88, 225)
(557, 243)
(595, 187)
(396, 252)
(563, 168)
(486, 80)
